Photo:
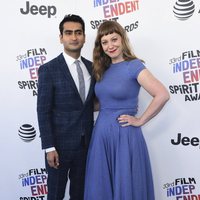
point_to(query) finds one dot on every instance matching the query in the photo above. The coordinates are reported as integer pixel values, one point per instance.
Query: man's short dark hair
(71, 18)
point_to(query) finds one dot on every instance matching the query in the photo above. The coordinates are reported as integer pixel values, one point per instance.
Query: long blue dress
(118, 166)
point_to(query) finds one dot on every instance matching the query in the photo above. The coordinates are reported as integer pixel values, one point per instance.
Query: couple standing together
(110, 160)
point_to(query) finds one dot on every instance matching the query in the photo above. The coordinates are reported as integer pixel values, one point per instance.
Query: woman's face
(112, 46)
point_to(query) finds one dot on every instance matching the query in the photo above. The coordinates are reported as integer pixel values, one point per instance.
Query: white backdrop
(167, 42)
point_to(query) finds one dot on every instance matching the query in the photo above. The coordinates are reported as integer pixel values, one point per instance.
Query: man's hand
(53, 159)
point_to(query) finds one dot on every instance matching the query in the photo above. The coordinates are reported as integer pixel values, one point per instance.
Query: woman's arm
(160, 96)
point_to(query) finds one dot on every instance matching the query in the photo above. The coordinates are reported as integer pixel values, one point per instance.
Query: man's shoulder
(53, 62)
(86, 61)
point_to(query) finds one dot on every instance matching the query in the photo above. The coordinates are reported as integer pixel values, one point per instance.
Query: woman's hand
(128, 120)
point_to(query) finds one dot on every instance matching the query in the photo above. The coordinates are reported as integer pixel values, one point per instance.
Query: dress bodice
(119, 87)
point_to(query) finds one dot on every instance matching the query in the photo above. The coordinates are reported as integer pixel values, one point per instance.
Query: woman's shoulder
(135, 66)
(136, 61)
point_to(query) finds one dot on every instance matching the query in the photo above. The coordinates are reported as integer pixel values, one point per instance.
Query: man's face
(73, 37)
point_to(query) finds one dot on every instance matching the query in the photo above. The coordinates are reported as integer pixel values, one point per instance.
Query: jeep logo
(42, 10)
(185, 141)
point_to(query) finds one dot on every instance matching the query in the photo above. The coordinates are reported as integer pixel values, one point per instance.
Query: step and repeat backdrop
(165, 34)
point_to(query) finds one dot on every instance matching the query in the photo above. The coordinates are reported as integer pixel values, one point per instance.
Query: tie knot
(77, 62)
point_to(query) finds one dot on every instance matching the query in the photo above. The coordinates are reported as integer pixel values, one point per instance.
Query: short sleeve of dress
(135, 67)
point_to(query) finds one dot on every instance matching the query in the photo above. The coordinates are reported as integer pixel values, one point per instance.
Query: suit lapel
(89, 68)
(64, 68)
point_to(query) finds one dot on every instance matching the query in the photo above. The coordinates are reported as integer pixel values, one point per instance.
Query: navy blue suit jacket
(62, 116)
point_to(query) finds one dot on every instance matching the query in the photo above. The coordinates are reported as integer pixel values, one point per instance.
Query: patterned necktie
(81, 80)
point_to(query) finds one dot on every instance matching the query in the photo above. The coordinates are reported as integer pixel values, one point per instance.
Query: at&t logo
(183, 9)
(27, 132)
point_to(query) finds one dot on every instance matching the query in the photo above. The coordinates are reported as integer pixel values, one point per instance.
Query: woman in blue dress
(118, 166)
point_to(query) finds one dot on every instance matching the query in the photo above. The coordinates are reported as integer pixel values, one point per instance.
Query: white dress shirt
(72, 68)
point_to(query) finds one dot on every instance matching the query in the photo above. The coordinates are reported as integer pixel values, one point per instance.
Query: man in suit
(65, 120)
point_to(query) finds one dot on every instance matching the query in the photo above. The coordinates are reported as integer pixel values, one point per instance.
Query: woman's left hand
(128, 120)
